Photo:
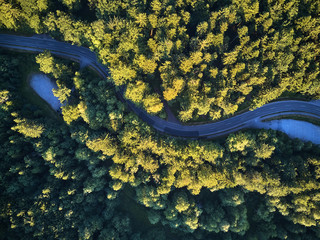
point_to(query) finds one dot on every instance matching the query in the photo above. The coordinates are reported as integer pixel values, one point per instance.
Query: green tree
(240, 141)
(63, 93)
(153, 103)
(46, 62)
(70, 113)
(181, 201)
(28, 128)
(153, 216)
(264, 151)
(9, 16)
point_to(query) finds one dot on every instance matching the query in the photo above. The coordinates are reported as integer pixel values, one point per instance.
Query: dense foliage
(96, 170)
(210, 57)
(64, 179)
(206, 58)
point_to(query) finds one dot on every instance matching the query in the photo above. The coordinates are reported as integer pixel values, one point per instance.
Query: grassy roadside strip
(310, 119)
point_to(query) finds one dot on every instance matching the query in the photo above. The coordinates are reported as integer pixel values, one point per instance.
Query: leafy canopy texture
(210, 58)
(95, 171)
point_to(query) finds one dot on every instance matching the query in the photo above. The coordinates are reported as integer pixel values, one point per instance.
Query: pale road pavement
(245, 120)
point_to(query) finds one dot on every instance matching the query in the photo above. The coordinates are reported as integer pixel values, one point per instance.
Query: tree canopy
(96, 171)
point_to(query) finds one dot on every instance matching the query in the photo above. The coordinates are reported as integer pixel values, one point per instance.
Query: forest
(96, 171)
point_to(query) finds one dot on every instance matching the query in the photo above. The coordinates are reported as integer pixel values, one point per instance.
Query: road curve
(210, 130)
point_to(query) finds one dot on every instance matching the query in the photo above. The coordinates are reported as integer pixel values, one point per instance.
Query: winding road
(88, 58)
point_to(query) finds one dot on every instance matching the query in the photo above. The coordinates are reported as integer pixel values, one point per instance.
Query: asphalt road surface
(209, 130)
